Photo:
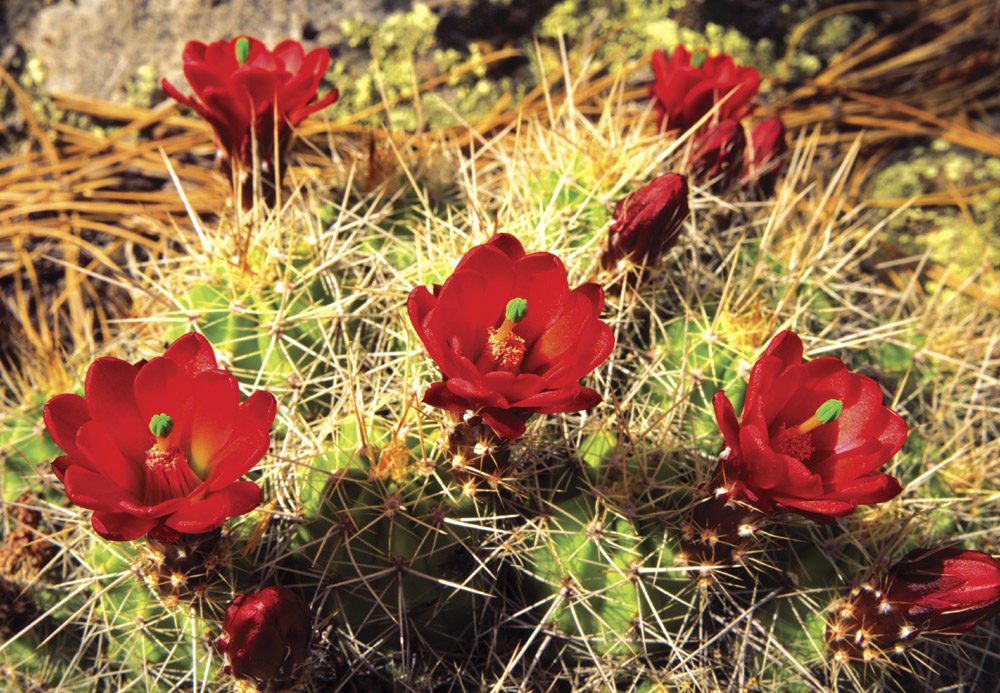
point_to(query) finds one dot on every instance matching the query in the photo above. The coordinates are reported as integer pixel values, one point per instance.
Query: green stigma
(242, 50)
(698, 59)
(161, 425)
(517, 308)
(829, 411)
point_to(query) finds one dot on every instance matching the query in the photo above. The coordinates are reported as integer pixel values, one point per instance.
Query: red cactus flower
(647, 222)
(765, 153)
(945, 590)
(718, 154)
(686, 87)
(266, 636)
(158, 447)
(812, 436)
(510, 337)
(935, 591)
(240, 87)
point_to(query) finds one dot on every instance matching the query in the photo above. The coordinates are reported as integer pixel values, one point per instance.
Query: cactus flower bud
(647, 222)
(765, 153)
(937, 591)
(718, 153)
(266, 636)
(946, 591)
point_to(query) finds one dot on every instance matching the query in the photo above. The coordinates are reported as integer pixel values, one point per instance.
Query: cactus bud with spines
(265, 636)
(941, 592)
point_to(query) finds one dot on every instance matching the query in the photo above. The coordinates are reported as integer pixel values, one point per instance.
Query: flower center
(794, 444)
(796, 441)
(168, 474)
(506, 347)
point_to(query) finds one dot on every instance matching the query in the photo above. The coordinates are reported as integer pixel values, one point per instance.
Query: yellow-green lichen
(142, 88)
(635, 29)
(961, 238)
(402, 53)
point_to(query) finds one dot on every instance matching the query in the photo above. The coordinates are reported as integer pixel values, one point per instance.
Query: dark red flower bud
(811, 439)
(266, 636)
(946, 590)
(686, 87)
(718, 154)
(510, 337)
(935, 591)
(765, 156)
(158, 447)
(249, 94)
(647, 222)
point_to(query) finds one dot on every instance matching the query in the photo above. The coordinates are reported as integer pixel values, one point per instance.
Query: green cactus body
(590, 564)
(147, 632)
(569, 194)
(235, 325)
(26, 449)
(701, 362)
(388, 538)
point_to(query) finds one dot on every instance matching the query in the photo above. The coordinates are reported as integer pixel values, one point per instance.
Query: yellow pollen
(505, 346)
(159, 457)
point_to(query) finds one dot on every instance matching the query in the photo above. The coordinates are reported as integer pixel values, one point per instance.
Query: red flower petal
(291, 54)
(244, 450)
(508, 244)
(216, 398)
(562, 401)
(787, 346)
(597, 341)
(296, 117)
(121, 526)
(478, 394)
(461, 318)
(93, 491)
(540, 279)
(504, 422)
(194, 51)
(440, 396)
(512, 386)
(174, 93)
(725, 416)
(258, 411)
(764, 468)
(562, 336)
(110, 400)
(63, 415)
(94, 442)
(193, 353)
(820, 508)
(201, 77)
(159, 510)
(204, 516)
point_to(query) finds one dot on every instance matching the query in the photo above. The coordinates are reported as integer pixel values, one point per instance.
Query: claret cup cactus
(571, 401)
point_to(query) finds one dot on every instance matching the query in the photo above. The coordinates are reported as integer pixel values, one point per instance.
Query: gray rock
(94, 47)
